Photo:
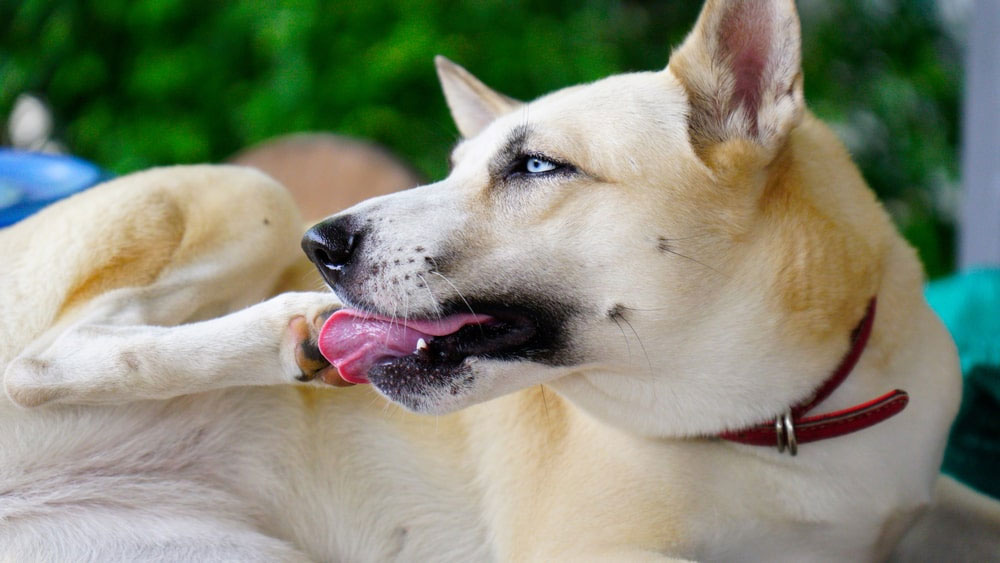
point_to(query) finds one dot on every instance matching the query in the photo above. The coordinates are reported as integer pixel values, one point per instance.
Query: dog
(626, 308)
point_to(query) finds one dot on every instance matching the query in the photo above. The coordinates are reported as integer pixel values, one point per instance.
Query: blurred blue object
(29, 181)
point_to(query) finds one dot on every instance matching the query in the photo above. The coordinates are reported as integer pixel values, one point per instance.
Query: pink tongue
(354, 341)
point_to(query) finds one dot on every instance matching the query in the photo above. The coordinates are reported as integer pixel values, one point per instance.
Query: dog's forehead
(642, 98)
(626, 112)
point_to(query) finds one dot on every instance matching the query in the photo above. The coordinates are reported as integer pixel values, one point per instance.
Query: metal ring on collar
(779, 431)
(790, 441)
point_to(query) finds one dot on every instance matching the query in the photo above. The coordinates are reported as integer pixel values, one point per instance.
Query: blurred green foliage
(141, 83)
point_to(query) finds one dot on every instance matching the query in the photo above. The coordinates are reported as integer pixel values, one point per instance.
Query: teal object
(969, 305)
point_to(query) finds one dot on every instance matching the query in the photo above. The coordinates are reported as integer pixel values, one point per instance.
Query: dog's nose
(331, 245)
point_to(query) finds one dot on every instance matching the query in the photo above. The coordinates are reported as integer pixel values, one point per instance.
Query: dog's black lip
(507, 331)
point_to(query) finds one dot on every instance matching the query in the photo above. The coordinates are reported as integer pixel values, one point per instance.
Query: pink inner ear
(745, 37)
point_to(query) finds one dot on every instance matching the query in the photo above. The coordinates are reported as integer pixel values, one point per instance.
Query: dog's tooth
(421, 346)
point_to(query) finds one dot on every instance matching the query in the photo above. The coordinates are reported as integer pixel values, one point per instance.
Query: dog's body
(664, 257)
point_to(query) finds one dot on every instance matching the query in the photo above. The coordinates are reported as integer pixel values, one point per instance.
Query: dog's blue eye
(536, 165)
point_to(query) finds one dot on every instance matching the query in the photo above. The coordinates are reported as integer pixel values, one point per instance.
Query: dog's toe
(310, 361)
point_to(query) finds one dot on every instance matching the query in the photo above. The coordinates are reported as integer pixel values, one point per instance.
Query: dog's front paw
(303, 332)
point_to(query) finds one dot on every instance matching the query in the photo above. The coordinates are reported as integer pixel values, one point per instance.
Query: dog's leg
(117, 331)
(97, 362)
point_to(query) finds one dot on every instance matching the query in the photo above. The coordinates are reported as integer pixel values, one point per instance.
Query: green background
(136, 84)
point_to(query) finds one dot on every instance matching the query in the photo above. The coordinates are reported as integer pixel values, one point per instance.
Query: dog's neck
(795, 427)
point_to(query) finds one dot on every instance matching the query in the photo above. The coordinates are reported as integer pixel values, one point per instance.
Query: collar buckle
(784, 429)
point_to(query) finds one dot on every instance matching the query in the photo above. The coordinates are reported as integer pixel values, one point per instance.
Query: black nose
(331, 245)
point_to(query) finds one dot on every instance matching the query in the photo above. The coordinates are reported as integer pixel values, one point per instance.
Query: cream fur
(168, 425)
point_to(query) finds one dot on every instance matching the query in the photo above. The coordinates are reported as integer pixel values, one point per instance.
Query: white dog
(627, 305)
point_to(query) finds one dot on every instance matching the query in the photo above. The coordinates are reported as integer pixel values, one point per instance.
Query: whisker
(628, 347)
(435, 269)
(666, 246)
(545, 401)
(458, 291)
(462, 297)
(641, 345)
(392, 324)
(671, 239)
(434, 301)
(406, 306)
(320, 285)
(385, 409)
(651, 373)
(644, 308)
(675, 253)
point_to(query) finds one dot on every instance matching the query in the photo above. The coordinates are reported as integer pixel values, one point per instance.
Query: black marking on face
(513, 148)
(663, 244)
(510, 165)
(616, 312)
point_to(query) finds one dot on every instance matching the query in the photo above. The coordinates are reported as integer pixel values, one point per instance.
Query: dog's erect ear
(473, 104)
(741, 67)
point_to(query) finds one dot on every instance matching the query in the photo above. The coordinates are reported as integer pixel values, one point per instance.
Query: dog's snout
(331, 246)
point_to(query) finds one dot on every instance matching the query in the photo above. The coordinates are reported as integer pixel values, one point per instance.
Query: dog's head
(646, 244)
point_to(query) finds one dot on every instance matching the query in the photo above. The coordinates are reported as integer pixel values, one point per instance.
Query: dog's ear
(741, 67)
(473, 104)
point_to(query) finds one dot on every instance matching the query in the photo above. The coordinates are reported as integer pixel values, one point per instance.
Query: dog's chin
(448, 390)
(426, 388)
(429, 387)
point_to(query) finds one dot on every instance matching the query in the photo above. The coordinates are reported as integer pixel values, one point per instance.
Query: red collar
(794, 427)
